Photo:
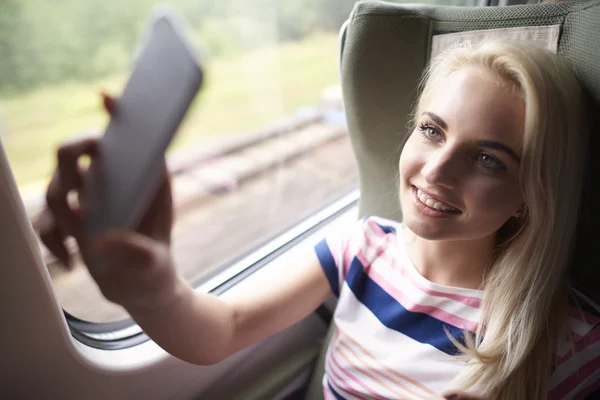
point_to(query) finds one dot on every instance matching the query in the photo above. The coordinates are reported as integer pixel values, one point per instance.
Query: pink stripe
(589, 339)
(411, 306)
(337, 382)
(386, 371)
(569, 384)
(353, 378)
(380, 376)
(557, 360)
(588, 318)
(572, 346)
(343, 386)
(468, 300)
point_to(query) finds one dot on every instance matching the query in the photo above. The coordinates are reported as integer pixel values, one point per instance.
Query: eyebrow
(436, 119)
(490, 144)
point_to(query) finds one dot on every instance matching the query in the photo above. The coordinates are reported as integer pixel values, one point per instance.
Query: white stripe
(421, 362)
(579, 327)
(346, 383)
(563, 348)
(404, 259)
(350, 363)
(386, 222)
(569, 367)
(416, 296)
(413, 294)
(392, 384)
(358, 359)
(350, 237)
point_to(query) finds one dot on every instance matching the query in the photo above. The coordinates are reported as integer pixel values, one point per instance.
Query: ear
(520, 212)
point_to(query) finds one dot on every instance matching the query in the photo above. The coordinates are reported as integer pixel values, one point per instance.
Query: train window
(263, 148)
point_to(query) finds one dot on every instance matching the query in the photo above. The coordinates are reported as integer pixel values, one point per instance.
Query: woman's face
(459, 168)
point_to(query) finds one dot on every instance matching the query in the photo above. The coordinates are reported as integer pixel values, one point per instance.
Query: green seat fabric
(385, 48)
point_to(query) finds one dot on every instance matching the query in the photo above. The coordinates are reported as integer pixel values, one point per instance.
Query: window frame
(125, 333)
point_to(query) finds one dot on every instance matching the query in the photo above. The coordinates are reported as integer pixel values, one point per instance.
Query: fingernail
(450, 396)
(108, 102)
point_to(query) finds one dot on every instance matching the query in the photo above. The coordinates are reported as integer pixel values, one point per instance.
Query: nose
(442, 168)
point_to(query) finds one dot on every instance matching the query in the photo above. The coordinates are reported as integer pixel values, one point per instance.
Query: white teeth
(433, 203)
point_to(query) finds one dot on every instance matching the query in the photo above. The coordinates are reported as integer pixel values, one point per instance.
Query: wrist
(163, 300)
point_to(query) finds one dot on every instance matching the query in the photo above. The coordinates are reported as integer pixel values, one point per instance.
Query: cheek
(499, 200)
(409, 160)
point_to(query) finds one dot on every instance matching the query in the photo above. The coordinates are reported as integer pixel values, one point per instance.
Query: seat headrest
(385, 48)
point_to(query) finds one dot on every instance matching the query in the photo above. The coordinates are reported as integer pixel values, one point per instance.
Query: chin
(428, 230)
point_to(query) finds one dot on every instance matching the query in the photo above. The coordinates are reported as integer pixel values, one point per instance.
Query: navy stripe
(419, 326)
(387, 229)
(328, 265)
(336, 394)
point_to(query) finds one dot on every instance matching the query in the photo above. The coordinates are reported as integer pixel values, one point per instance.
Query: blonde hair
(525, 299)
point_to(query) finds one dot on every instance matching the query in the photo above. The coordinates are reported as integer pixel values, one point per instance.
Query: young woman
(469, 292)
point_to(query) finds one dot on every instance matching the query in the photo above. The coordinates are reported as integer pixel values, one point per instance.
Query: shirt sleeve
(578, 377)
(337, 250)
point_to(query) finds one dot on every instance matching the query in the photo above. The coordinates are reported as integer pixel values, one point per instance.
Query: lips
(435, 202)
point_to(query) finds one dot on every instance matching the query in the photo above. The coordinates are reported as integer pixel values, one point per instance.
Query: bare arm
(139, 275)
(204, 329)
(287, 297)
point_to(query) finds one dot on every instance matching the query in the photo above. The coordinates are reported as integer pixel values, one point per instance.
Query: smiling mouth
(435, 204)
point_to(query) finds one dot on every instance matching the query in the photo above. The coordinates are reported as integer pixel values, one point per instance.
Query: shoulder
(577, 360)
(359, 237)
(367, 231)
(377, 235)
(381, 225)
(355, 247)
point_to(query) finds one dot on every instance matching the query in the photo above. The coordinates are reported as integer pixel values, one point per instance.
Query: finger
(67, 177)
(80, 192)
(53, 238)
(459, 395)
(129, 249)
(158, 220)
(68, 159)
(109, 102)
(56, 199)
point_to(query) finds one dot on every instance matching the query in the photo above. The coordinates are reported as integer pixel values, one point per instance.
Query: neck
(463, 262)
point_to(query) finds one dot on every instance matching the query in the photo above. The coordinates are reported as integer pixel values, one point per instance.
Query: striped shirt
(390, 340)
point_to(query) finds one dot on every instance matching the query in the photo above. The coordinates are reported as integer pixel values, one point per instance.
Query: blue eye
(490, 162)
(429, 132)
